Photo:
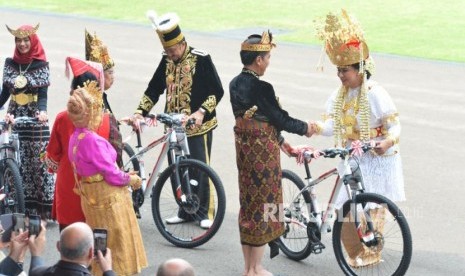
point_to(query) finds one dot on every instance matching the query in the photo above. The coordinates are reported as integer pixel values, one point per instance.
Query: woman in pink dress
(105, 198)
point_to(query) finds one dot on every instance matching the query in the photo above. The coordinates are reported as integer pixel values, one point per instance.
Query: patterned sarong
(258, 163)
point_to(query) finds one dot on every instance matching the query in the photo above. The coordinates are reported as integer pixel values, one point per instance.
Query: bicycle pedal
(317, 247)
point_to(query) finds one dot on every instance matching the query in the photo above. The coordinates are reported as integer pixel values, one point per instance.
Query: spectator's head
(175, 267)
(77, 244)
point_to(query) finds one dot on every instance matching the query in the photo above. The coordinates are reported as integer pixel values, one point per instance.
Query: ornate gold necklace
(21, 80)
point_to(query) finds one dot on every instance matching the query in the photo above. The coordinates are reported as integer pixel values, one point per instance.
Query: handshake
(313, 128)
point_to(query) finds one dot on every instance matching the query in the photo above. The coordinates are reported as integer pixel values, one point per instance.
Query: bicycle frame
(323, 219)
(175, 140)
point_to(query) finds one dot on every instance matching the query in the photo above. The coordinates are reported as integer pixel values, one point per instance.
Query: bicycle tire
(128, 152)
(295, 243)
(13, 188)
(395, 241)
(137, 195)
(165, 205)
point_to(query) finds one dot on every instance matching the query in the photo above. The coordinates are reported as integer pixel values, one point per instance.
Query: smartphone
(7, 225)
(100, 240)
(34, 225)
(19, 222)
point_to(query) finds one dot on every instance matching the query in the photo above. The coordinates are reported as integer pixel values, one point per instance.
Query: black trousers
(200, 149)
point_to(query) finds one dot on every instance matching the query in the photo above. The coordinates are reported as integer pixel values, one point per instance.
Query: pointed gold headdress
(97, 52)
(20, 33)
(344, 39)
(265, 45)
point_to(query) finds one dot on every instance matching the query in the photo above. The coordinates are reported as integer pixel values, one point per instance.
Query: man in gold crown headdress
(193, 88)
(259, 121)
(361, 110)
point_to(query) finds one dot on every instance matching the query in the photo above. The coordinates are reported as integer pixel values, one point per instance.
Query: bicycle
(11, 185)
(173, 189)
(305, 223)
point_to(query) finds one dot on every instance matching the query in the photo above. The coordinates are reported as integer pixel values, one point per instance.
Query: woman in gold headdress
(25, 83)
(361, 109)
(103, 187)
(259, 121)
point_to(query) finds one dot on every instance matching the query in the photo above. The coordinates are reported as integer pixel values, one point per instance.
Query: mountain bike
(174, 189)
(389, 240)
(11, 186)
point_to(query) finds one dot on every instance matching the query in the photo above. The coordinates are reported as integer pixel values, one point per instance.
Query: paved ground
(428, 94)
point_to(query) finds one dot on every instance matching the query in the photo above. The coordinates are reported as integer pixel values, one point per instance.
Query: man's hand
(198, 117)
(37, 243)
(104, 261)
(136, 121)
(18, 245)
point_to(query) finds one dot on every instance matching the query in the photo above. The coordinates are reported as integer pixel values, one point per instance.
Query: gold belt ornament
(92, 178)
(23, 99)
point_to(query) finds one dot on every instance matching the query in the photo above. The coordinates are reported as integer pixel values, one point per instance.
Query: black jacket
(247, 90)
(64, 268)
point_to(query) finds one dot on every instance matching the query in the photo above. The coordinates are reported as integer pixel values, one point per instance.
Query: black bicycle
(11, 185)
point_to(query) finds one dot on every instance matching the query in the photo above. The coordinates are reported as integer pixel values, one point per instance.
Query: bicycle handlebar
(173, 119)
(335, 152)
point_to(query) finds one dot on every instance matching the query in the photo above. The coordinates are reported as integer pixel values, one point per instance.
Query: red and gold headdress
(21, 32)
(265, 45)
(344, 39)
(96, 51)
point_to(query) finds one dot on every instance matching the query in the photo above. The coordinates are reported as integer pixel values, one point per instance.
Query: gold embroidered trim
(210, 103)
(204, 128)
(391, 119)
(179, 79)
(145, 104)
(250, 112)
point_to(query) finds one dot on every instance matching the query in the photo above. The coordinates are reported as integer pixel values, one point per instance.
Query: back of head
(256, 45)
(78, 107)
(175, 267)
(76, 241)
(80, 80)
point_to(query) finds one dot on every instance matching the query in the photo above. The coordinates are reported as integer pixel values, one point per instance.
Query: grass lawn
(426, 29)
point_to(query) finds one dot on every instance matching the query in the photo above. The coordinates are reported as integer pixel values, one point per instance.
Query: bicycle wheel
(164, 205)
(295, 242)
(12, 188)
(390, 251)
(128, 152)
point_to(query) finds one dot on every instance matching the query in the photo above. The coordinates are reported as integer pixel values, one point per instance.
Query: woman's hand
(135, 181)
(382, 146)
(136, 121)
(10, 118)
(42, 116)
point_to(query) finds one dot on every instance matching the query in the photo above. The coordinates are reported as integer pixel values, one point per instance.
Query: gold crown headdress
(344, 39)
(345, 45)
(96, 51)
(97, 103)
(21, 33)
(265, 45)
